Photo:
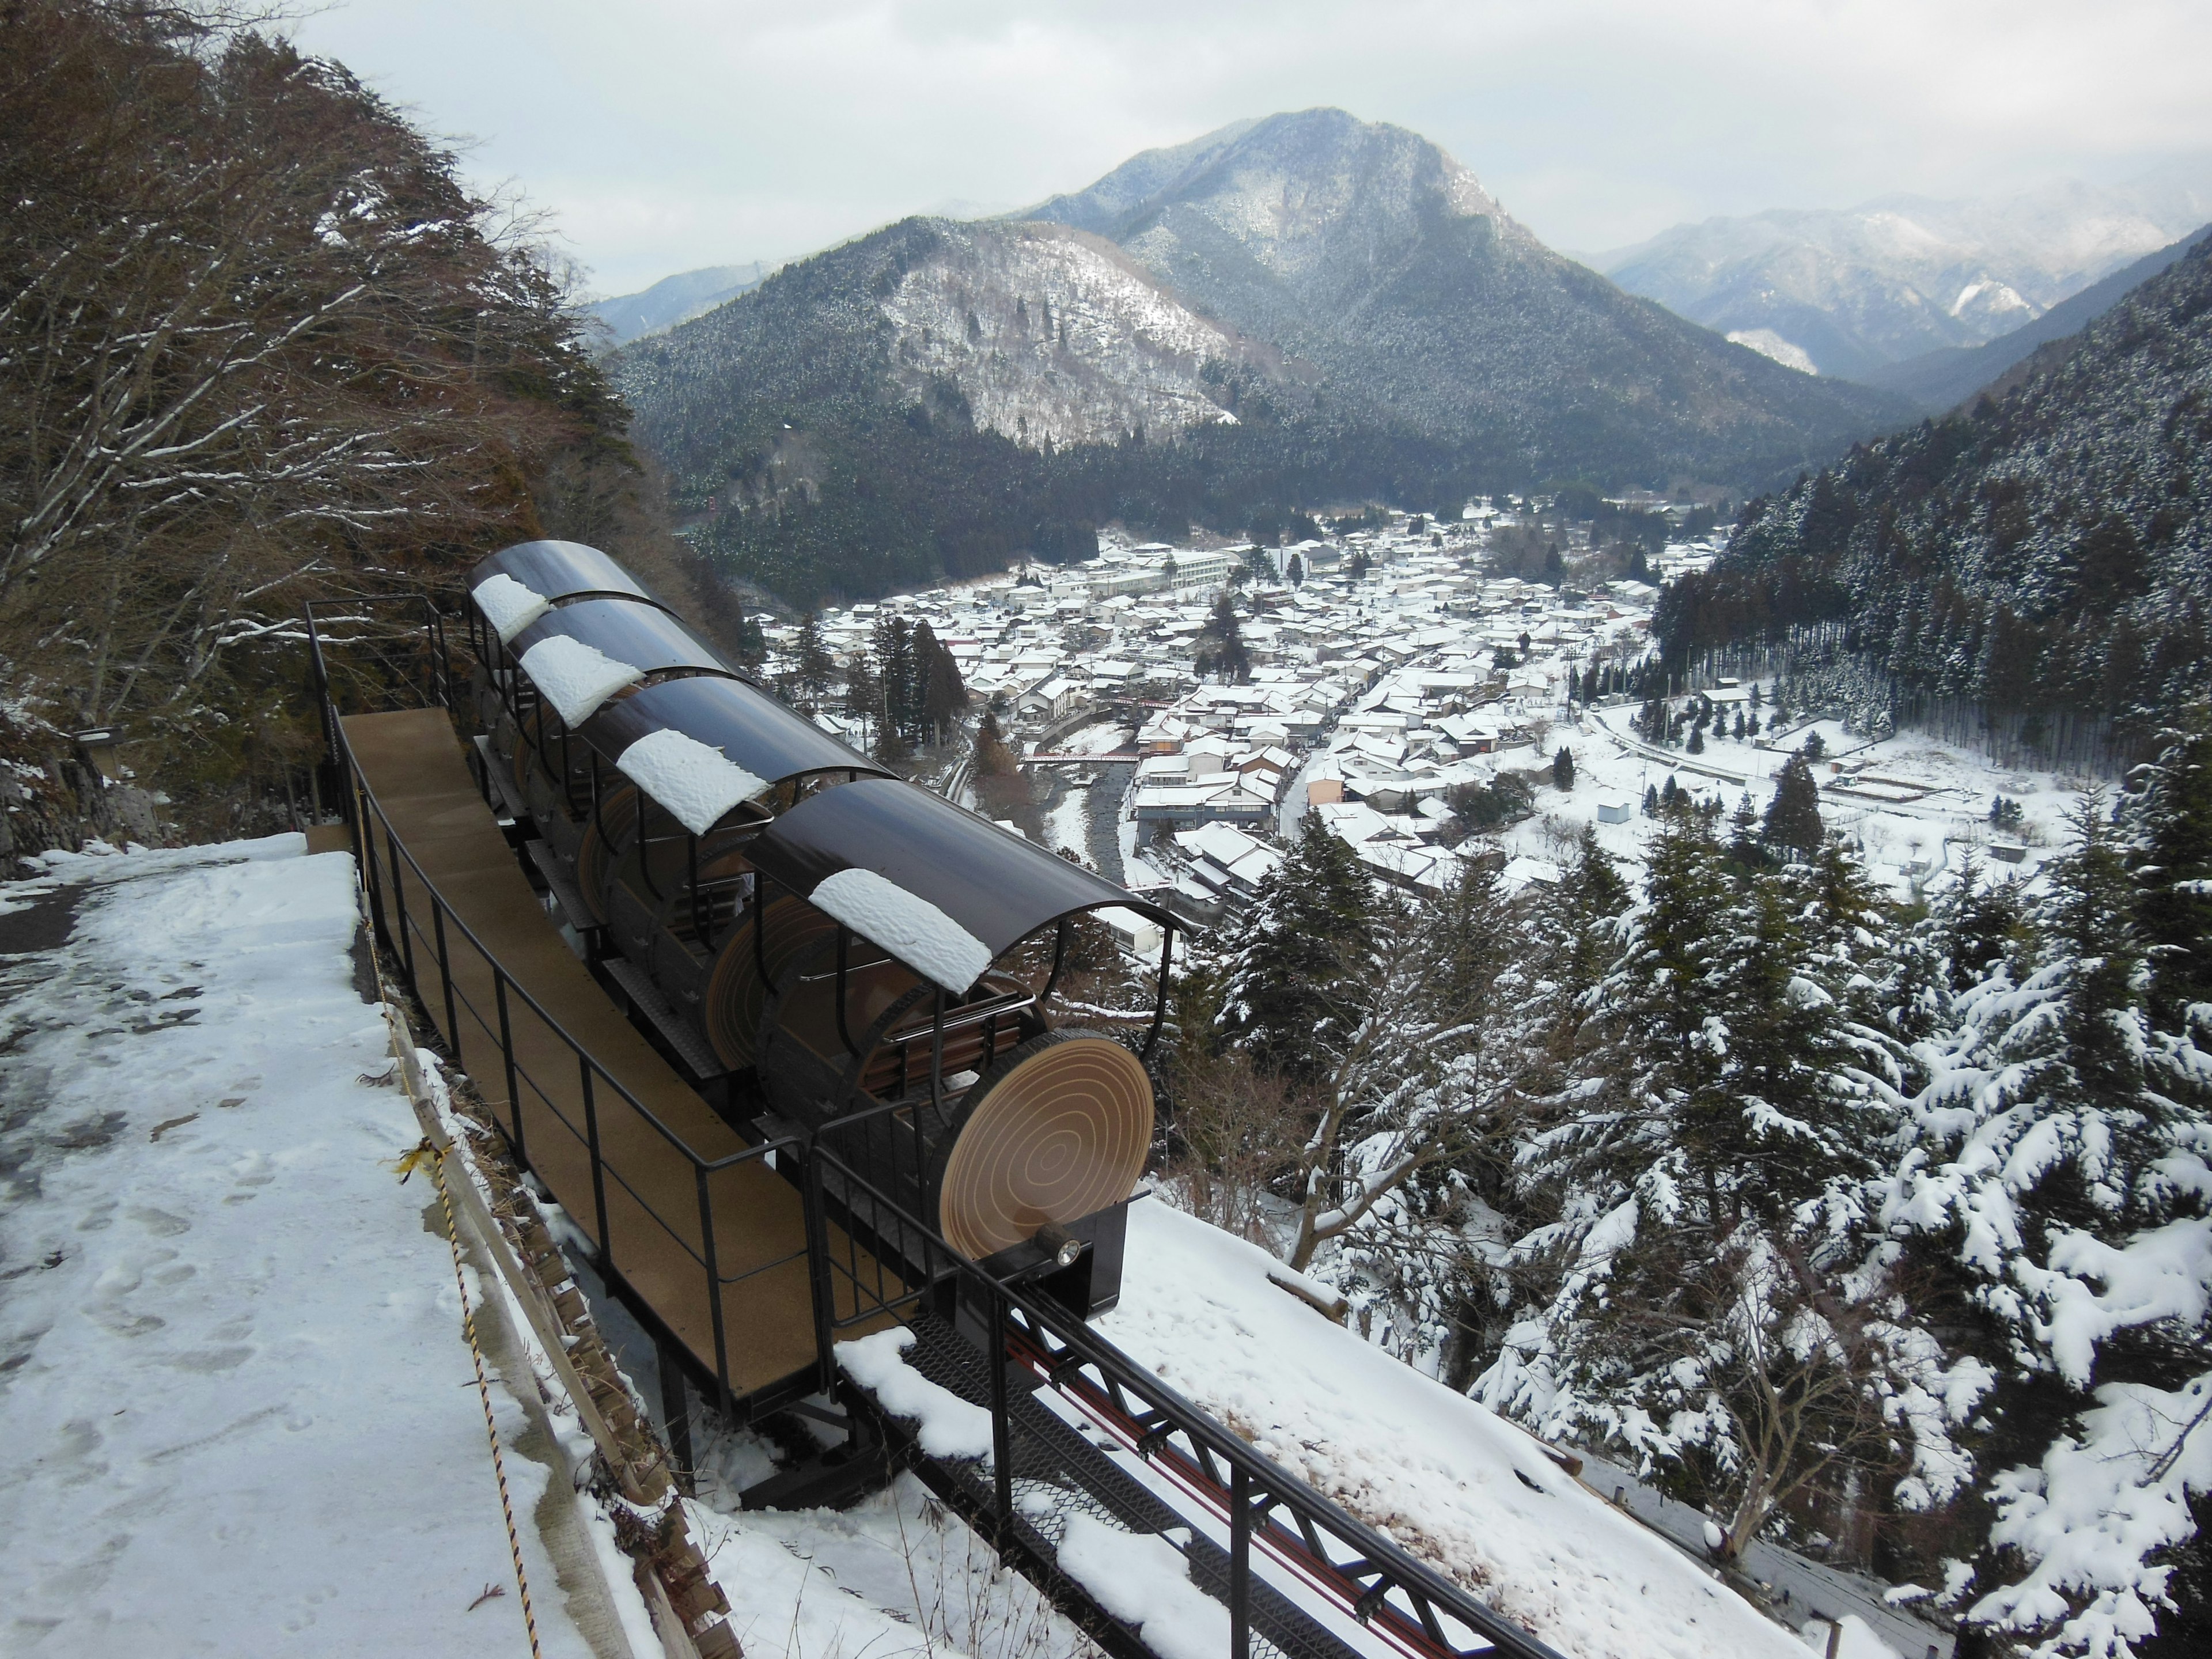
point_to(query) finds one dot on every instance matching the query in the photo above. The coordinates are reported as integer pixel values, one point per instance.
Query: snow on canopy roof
(508, 606)
(560, 570)
(747, 724)
(697, 785)
(628, 630)
(574, 677)
(998, 888)
(905, 924)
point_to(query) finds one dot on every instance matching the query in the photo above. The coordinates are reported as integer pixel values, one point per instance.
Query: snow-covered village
(1417, 703)
(774, 887)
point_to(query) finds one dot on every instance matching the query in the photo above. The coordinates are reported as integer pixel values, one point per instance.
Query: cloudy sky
(664, 135)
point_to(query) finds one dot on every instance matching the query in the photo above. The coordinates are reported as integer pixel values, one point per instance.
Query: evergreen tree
(1743, 834)
(1705, 1168)
(1297, 982)
(1980, 926)
(2171, 846)
(751, 647)
(811, 663)
(864, 695)
(891, 643)
(2056, 1190)
(1221, 649)
(1563, 768)
(943, 696)
(1793, 816)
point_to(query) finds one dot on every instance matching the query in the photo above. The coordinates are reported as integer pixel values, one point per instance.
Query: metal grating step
(646, 997)
(1058, 1472)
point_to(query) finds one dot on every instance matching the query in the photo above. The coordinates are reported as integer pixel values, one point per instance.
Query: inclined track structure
(776, 1030)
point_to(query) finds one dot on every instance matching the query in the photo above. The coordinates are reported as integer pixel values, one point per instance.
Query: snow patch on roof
(905, 924)
(693, 781)
(949, 1427)
(575, 677)
(508, 606)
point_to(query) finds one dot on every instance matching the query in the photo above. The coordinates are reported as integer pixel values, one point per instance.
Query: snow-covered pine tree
(1300, 975)
(1793, 816)
(1712, 1320)
(2055, 1188)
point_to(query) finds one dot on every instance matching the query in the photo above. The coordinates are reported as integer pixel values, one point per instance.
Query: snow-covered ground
(893, 1575)
(1456, 1484)
(240, 1418)
(1452, 1482)
(1917, 806)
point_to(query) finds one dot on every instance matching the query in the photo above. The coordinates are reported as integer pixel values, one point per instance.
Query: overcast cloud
(668, 134)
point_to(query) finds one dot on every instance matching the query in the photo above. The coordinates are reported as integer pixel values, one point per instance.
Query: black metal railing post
(399, 906)
(1240, 1563)
(446, 975)
(598, 1169)
(713, 1290)
(817, 1268)
(507, 1058)
(1002, 1437)
(365, 852)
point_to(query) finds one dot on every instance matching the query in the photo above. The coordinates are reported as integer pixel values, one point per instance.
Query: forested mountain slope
(2052, 551)
(1293, 311)
(1938, 380)
(258, 345)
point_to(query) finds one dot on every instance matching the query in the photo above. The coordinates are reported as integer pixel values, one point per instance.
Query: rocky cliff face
(1052, 335)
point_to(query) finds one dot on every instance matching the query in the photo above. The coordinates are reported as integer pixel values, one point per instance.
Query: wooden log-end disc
(1056, 1130)
(737, 995)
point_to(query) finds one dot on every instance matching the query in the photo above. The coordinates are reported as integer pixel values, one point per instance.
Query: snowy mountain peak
(1856, 289)
(1289, 191)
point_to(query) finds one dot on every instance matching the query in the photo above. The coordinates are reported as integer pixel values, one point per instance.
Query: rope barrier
(435, 1156)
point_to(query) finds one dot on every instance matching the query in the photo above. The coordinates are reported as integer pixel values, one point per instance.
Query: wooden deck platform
(414, 766)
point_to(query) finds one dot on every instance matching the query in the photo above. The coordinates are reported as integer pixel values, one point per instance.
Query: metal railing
(894, 1265)
(1261, 1506)
(443, 936)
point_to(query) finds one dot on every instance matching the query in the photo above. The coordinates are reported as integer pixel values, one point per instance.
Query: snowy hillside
(1460, 1487)
(1967, 556)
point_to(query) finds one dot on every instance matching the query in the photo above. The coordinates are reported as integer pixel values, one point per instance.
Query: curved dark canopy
(745, 723)
(1000, 887)
(560, 570)
(633, 631)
